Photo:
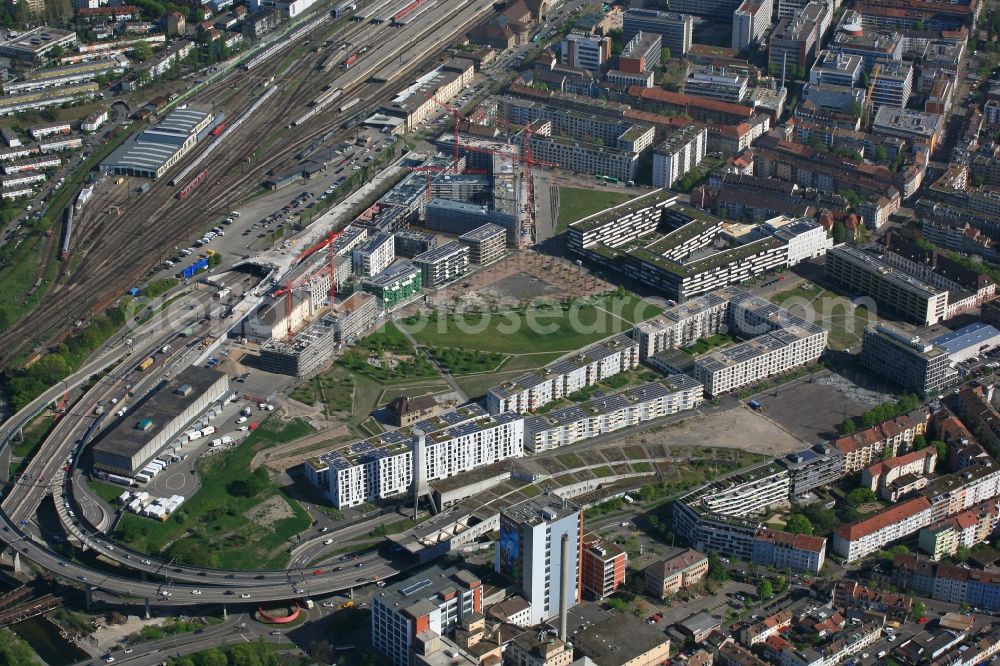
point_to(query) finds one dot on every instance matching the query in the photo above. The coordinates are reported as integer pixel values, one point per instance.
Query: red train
(193, 183)
(218, 129)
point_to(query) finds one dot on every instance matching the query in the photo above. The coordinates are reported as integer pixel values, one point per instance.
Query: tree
(142, 51)
(716, 570)
(764, 590)
(860, 496)
(846, 426)
(798, 524)
(664, 55)
(942, 450)
(853, 199)
(919, 442)
(917, 610)
(14, 650)
(880, 154)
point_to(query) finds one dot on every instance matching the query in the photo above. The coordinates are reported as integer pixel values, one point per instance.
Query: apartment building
(806, 238)
(684, 324)
(905, 359)
(723, 516)
(783, 550)
(717, 83)
(882, 441)
(396, 284)
(751, 21)
(586, 51)
(895, 477)
(443, 264)
(870, 535)
(613, 131)
(872, 46)
(913, 126)
(608, 413)
(837, 69)
(602, 568)
(852, 595)
(697, 108)
(676, 30)
(946, 582)
(584, 156)
(815, 467)
(486, 244)
(532, 390)
(383, 466)
(864, 272)
(374, 255)
(678, 572)
(529, 552)
(952, 494)
(436, 600)
(964, 530)
(759, 632)
(680, 152)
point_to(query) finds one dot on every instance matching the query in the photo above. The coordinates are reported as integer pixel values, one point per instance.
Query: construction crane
(527, 158)
(876, 71)
(289, 288)
(427, 171)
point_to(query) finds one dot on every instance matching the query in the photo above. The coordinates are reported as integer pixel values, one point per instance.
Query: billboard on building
(510, 548)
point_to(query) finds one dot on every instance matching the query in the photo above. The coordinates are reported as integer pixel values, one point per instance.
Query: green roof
(607, 215)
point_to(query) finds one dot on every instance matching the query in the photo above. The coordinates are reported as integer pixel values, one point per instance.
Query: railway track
(124, 248)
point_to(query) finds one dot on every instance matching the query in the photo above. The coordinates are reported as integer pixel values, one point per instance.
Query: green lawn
(466, 362)
(33, 435)
(705, 344)
(570, 460)
(108, 492)
(211, 528)
(828, 309)
(576, 203)
(544, 328)
(602, 471)
(387, 357)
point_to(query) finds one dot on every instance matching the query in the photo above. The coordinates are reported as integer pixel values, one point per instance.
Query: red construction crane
(427, 171)
(289, 288)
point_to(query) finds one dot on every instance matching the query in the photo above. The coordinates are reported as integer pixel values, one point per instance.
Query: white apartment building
(374, 255)
(382, 466)
(868, 536)
(534, 389)
(751, 21)
(627, 408)
(806, 238)
(681, 152)
(682, 325)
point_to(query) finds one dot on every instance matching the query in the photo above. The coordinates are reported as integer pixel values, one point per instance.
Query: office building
(891, 524)
(434, 601)
(530, 552)
(751, 21)
(863, 272)
(585, 51)
(678, 572)
(795, 41)
(903, 358)
(374, 255)
(789, 8)
(155, 422)
(892, 86)
(721, 84)
(913, 126)
(486, 244)
(873, 46)
(837, 69)
(443, 264)
(446, 444)
(396, 284)
(641, 54)
(528, 392)
(34, 46)
(676, 30)
(680, 153)
(602, 567)
(806, 238)
(608, 413)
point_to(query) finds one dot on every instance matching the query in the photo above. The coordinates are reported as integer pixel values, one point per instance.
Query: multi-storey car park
(436, 448)
(560, 378)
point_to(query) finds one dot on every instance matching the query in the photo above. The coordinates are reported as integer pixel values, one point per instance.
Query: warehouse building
(969, 341)
(443, 264)
(486, 244)
(151, 152)
(154, 422)
(396, 284)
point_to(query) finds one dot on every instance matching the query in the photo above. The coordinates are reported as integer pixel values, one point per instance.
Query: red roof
(681, 99)
(893, 514)
(900, 461)
(798, 541)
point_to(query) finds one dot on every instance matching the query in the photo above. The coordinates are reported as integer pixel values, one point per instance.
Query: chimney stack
(564, 588)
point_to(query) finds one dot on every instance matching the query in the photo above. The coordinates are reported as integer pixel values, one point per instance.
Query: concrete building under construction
(313, 346)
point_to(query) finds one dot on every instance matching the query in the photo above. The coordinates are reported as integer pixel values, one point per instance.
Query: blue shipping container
(134, 291)
(196, 267)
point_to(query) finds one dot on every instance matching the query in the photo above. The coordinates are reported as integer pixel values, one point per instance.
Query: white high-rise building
(530, 552)
(586, 51)
(751, 22)
(678, 154)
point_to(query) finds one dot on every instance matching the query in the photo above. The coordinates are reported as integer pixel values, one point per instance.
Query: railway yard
(118, 246)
